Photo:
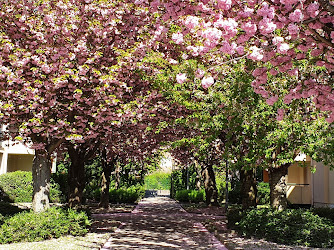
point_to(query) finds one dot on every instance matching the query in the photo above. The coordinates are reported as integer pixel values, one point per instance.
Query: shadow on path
(159, 222)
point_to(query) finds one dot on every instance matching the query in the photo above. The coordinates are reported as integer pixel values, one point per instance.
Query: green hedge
(325, 212)
(157, 181)
(53, 223)
(17, 187)
(194, 196)
(263, 193)
(126, 195)
(290, 226)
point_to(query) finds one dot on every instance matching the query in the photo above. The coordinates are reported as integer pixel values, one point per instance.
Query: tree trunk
(198, 175)
(76, 178)
(278, 186)
(248, 188)
(211, 192)
(41, 173)
(117, 175)
(105, 181)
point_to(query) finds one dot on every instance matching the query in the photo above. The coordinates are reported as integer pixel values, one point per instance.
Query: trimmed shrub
(157, 181)
(180, 177)
(194, 196)
(92, 192)
(234, 216)
(291, 226)
(17, 187)
(53, 223)
(126, 195)
(263, 193)
(182, 195)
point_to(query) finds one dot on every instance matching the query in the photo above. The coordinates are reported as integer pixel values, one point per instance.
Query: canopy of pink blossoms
(286, 38)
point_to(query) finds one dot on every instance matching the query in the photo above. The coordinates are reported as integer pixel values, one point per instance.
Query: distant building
(16, 156)
(307, 188)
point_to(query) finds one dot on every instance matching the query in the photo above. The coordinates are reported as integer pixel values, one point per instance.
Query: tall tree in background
(64, 70)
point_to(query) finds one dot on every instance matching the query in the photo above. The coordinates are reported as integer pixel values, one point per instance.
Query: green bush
(263, 193)
(180, 177)
(59, 182)
(17, 187)
(325, 212)
(194, 196)
(157, 181)
(291, 226)
(221, 185)
(2, 219)
(182, 195)
(126, 195)
(234, 194)
(234, 215)
(92, 192)
(53, 223)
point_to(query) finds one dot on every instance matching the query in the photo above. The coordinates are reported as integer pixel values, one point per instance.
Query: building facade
(14, 156)
(306, 187)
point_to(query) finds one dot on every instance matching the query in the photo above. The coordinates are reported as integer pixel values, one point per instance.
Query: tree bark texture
(41, 173)
(211, 192)
(76, 177)
(278, 186)
(248, 188)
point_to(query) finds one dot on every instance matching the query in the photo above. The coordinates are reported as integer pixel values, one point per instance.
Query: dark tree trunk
(41, 173)
(76, 177)
(117, 175)
(278, 186)
(248, 188)
(211, 192)
(105, 181)
(198, 176)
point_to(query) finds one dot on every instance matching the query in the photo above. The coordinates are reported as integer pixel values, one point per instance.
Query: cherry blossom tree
(65, 69)
(291, 38)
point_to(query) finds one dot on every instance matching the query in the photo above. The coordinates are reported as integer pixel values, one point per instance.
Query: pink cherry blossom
(199, 73)
(313, 9)
(283, 48)
(181, 78)
(267, 26)
(177, 38)
(227, 48)
(250, 28)
(207, 82)
(293, 29)
(280, 114)
(272, 100)
(273, 72)
(191, 22)
(278, 40)
(224, 4)
(296, 16)
(257, 54)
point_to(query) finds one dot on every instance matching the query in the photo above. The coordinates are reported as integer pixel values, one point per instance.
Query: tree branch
(324, 40)
(327, 6)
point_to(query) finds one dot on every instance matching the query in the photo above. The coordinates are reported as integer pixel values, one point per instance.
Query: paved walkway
(159, 223)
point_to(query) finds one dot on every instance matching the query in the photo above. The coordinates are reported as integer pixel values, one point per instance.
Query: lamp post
(226, 186)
